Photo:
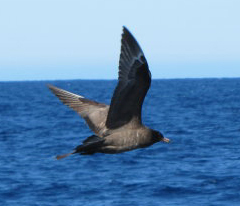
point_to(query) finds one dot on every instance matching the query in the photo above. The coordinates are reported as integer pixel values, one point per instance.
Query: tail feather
(89, 147)
(58, 157)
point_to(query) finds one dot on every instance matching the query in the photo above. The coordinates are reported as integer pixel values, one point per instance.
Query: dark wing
(134, 79)
(94, 113)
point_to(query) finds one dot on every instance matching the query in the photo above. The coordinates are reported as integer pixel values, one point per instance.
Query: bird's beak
(164, 139)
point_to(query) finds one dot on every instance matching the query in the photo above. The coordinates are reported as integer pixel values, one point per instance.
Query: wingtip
(129, 39)
(125, 28)
(50, 86)
(126, 31)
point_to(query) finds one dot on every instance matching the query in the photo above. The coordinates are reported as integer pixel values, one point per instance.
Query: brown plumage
(118, 127)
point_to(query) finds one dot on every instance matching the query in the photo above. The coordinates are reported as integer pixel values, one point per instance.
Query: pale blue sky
(66, 39)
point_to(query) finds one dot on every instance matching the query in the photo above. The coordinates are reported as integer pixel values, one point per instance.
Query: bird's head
(158, 136)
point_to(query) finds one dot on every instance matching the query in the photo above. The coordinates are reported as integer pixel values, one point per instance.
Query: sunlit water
(201, 165)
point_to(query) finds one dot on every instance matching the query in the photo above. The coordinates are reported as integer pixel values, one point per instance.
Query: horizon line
(172, 78)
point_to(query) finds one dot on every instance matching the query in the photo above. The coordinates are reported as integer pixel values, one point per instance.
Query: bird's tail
(90, 146)
(58, 157)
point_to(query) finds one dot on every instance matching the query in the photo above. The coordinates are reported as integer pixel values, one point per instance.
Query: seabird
(117, 128)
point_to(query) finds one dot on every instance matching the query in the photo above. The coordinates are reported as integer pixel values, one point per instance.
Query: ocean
(200, 166)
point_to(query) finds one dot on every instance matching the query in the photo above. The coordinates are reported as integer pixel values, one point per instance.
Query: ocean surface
(201, 166)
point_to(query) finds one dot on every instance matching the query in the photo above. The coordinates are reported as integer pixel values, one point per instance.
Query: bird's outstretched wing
(94, 113)
(134, 79)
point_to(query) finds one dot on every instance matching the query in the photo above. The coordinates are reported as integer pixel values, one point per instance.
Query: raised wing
(94, 113)
(134, 79)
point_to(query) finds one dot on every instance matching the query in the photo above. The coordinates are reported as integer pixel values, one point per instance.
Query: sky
(74, 39)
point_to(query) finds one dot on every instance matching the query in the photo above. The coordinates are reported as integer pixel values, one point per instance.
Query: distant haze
(66, 39)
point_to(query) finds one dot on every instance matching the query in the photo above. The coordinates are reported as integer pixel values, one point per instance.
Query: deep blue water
(201, 165)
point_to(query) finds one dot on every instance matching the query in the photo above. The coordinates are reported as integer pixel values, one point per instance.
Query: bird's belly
(123, 144)
(115, 149)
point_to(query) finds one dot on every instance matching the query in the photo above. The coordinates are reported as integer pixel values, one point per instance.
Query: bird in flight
(117, 128)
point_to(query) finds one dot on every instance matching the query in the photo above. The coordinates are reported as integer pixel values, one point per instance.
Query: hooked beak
(164, 139)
